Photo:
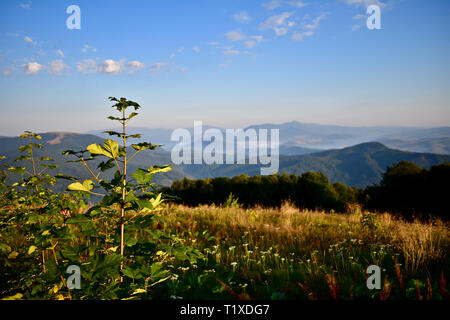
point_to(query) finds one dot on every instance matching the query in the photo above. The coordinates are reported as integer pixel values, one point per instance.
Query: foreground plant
(117, 243)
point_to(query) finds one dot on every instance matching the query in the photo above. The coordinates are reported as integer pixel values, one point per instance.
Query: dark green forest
(406, 189)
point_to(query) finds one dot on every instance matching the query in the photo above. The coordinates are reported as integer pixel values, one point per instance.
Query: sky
(228, 63)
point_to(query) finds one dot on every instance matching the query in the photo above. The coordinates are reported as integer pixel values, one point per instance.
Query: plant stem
(124, 180)
(32, 159)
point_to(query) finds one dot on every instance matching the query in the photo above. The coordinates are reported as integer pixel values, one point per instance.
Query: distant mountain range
(55, 143)
(298, 138)
(359, 165)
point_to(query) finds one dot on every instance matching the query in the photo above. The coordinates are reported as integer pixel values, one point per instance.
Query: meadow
(286, 253)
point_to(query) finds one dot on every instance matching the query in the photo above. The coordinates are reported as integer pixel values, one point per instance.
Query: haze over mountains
(351, 159)
(302, 138)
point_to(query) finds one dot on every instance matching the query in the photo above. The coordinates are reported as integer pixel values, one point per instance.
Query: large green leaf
(85, 187)
(141, 176)
(110, 149)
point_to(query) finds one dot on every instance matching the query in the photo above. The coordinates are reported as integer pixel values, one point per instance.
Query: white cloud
(308, 29)
(57, 66)
(27, 39)
(87, 48)
(180, 49)
(229, 51)
(134, 66)
(278, 23)
(109, 66)
(301, 35)
(86, 66)
(26, 5)
(183, 70)
(272, 5)
(315, 23)
(196, 49)
(280, 31)
(214, 43)
(32, 68)
(241, 17)
(60, 53)
(298, 4)
(158, 65)
(234, 36)
(356, 27)
(254, 41)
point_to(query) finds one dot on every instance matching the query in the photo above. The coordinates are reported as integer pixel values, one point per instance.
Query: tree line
(405, 189)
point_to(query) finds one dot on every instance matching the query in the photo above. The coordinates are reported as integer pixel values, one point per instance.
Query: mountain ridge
(359, 165)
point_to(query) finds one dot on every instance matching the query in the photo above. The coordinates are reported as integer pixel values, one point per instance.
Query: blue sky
(227, 63)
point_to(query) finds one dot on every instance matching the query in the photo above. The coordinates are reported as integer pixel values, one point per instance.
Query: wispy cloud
(32, 68)
(315, 22)
(57, 67)
(358, 25)
(26, 5)
(134, 66)
(253, 41)
(86, 66)
(158, 66)
(298, 4)
(234, 36)
(278, 23)
(229, 51)
(27, 39)
(308, 30)
(272, 5)
(60, 53)
(241, 17)
(87, 48)
(196, 49)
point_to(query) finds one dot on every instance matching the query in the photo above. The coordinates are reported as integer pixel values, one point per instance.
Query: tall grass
(287, 253)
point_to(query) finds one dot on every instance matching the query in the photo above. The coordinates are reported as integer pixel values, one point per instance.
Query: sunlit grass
(286, 253)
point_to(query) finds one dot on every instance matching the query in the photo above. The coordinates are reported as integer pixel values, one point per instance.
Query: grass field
(290, 254)
(257, 253)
